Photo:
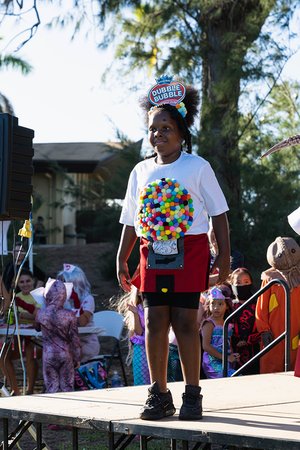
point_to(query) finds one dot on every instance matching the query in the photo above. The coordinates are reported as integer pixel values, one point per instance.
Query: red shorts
(192, 277)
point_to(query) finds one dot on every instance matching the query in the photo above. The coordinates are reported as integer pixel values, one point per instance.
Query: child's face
(164, 136)
(25, 284)
(217, 308)
(241, 279)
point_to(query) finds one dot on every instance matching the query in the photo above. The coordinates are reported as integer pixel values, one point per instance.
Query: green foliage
(10, 61)
(15, 63)
(107, 262)
(101, 225)
(236, 51)
(116, 183)
(270, 187)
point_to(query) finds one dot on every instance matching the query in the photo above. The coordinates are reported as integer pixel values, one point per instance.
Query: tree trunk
(228, 30)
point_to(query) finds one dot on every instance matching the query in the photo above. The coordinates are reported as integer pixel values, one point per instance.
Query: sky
(63, 98)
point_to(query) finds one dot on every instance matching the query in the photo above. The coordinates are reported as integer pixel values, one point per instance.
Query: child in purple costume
(61, 344)
(139, 359)
(131, 306)
(212, 336)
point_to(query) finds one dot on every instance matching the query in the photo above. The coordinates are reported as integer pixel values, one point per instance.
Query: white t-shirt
(191, 171)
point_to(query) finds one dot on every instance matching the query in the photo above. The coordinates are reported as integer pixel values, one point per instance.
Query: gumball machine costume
(169, 198)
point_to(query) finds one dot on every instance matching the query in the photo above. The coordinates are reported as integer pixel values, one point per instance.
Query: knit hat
(284, 255)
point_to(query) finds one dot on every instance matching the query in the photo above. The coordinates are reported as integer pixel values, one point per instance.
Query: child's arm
(5, 295)
(84, 318)
(221, 229)
(127, 241)
(75, 342)
(137, 327)
(28, 307)
(262, 315)
(207, 329)
(232, 357)
(200, 314)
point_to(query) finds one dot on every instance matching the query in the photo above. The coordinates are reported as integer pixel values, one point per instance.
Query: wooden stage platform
(257, 411)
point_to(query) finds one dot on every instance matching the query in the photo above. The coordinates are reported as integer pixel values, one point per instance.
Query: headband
(168, 92)
(216, 294)
(69, 268)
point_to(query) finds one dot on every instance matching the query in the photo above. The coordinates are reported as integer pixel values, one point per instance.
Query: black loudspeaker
(16, 168)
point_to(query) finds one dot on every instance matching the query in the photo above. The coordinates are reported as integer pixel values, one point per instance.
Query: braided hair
(191, 101)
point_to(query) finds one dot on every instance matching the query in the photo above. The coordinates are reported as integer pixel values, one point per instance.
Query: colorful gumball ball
(165, 210)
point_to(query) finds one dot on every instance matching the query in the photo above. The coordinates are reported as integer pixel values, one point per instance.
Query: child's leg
(51, 367)
(31, 367)
(66, 375)
(140, 366)
(184, 323)
(8, 369)
(157, 323)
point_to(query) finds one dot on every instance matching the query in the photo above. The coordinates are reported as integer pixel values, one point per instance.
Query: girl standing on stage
(83, 304)
(169, 199)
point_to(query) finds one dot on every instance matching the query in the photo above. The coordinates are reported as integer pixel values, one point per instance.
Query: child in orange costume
(283, 255)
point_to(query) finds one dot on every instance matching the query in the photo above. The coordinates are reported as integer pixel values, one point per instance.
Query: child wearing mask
(245, 337)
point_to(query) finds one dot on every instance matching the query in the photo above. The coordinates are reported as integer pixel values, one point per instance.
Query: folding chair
(112, 325)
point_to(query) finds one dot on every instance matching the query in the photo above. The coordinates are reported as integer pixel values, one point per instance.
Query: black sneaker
(158, 404)
(191, 408)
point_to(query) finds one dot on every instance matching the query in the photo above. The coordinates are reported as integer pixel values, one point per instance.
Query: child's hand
(132, 308)
(233, 357)
(241, 344)
(26, 316)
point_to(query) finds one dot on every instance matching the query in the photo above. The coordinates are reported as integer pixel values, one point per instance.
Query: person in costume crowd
(131, 307)
(218, 307)
(283, 255)
(11, 269)
(61, 344)
(25, 305)
(83, 304)
(169, 197)
(245, 338)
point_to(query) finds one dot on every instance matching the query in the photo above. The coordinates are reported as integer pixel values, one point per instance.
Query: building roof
(75, 157)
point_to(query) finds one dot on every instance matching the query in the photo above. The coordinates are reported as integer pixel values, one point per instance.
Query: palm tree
(15, 63)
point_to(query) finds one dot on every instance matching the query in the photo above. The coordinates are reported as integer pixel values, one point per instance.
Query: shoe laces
(153, 399)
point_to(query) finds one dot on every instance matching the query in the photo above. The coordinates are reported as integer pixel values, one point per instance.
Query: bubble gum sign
(171, 93)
